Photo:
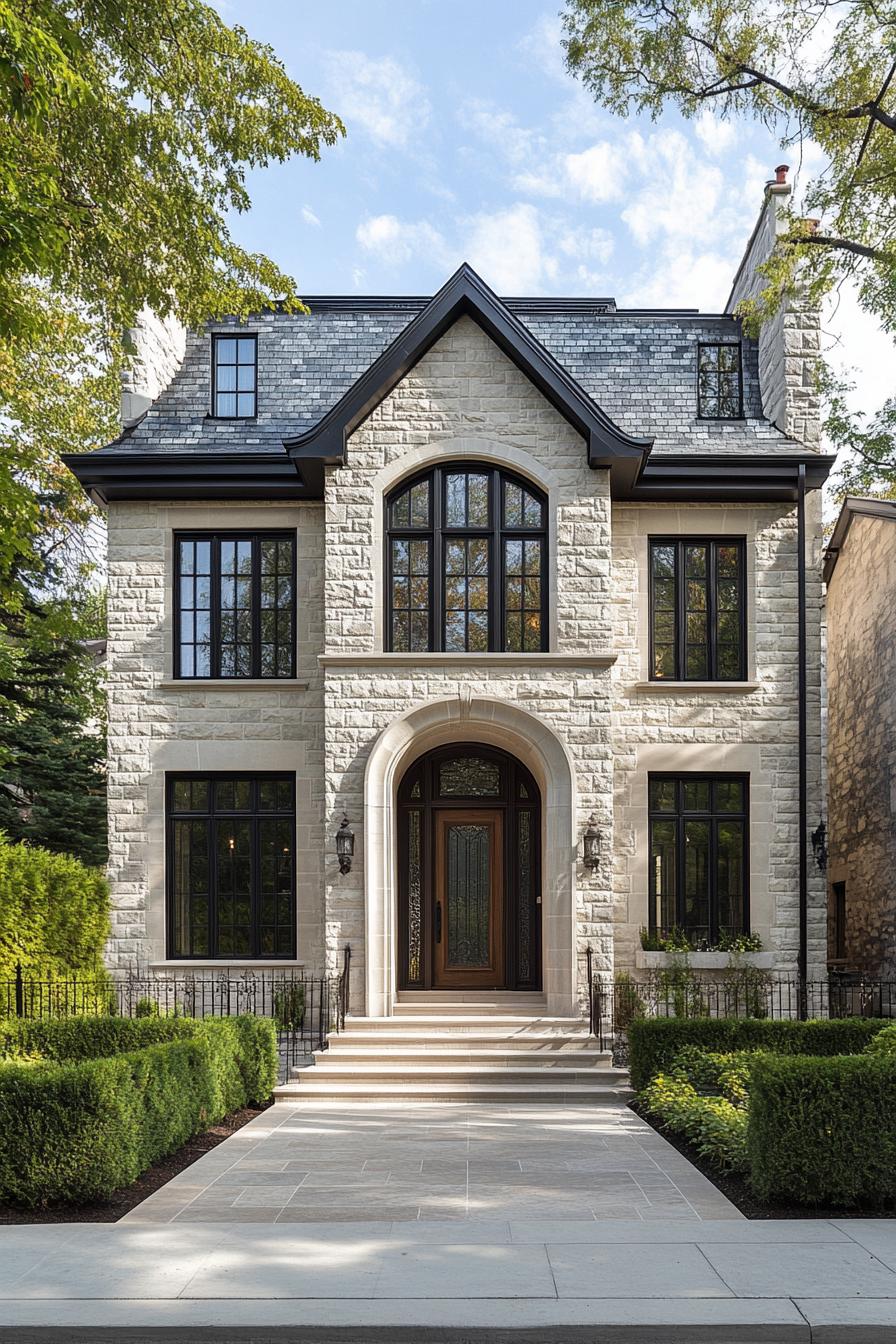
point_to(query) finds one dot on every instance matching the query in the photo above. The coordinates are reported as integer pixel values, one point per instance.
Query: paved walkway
(448, 1223)
(465, 1163)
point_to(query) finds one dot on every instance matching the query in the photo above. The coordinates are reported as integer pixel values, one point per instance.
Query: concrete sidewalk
(448, 1223)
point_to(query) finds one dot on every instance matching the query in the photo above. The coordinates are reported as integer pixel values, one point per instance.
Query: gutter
(803, 958)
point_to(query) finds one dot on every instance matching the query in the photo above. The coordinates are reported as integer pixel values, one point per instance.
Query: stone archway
(499, 724)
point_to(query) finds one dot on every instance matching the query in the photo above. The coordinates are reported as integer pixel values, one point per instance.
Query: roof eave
(466, 295)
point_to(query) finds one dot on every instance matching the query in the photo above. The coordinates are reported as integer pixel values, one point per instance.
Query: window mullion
(495, 568)
(437, 564)
(712, 618)
(215, 585)
(255, 590)
(681, 616)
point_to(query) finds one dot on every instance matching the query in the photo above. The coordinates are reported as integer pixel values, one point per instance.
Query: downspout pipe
(803, 958)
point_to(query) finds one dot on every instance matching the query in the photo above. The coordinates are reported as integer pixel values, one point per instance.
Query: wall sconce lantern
(345, 845)
(591, 844)
(820, 846)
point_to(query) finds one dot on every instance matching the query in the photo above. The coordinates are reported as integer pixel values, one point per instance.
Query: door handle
(438, 921)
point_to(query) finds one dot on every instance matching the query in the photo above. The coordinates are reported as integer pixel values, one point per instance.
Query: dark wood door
(468, 920)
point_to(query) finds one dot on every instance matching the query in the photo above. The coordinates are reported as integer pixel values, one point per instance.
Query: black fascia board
(465, 294)
(738, 477)
(131, 475)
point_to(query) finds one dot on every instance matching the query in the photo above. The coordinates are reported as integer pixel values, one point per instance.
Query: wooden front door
(469, 899)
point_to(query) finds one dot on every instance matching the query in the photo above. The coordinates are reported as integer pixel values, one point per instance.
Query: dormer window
(234, 377)
(719, 381)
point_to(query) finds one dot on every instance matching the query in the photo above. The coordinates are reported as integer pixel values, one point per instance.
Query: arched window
(466, 563)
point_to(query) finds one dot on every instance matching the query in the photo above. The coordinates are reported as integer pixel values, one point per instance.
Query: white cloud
(309, 216)
(678, 276)
(597, 174)
(380, 98)
(859, 349)
(395, 241)
(678, 192)
(541, 47)
(714, 134)
(507, 249)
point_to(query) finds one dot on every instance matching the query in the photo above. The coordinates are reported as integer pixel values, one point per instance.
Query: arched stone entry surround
(499, 724)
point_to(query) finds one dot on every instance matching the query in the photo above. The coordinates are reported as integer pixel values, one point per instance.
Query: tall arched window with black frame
(466, 561)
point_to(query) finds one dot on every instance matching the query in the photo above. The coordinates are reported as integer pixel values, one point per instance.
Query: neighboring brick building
(481, 574)
(860, 572)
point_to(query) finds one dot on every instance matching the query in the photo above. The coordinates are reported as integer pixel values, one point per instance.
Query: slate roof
(639, 367)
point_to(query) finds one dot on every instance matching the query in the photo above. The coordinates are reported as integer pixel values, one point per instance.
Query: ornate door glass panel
(468, 894)
(469, 777)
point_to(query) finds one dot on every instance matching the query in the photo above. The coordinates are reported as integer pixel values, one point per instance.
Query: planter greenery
(87, 1104)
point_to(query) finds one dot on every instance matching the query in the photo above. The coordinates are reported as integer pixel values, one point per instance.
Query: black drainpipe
(803, 962)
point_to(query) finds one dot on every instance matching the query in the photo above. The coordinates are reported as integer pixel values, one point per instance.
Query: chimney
(157, 350)
(790, 341)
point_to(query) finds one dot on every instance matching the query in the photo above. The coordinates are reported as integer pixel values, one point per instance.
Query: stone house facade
(527, 589)
(860, 572)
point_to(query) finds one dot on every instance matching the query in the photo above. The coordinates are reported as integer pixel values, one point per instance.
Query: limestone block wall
(861, 606)
(753, 729)
(156, 724)
(465, 399)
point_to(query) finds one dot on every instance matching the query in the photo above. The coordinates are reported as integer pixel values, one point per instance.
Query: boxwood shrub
(821, 1131)
(78, 1128)
(655, 1041)
(54, 914)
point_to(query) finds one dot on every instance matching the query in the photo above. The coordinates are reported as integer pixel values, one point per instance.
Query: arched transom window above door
(466, 559)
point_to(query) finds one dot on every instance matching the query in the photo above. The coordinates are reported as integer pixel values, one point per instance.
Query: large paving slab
(488, 1225)
(468, 1163)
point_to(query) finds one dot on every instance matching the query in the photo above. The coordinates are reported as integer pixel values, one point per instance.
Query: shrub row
(654, 1042)
(54, 913)
(72, 1038)
(73, 1130)
(821, 1131)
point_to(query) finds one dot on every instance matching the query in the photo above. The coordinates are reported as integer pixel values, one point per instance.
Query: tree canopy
(808, 70)
(127, 128)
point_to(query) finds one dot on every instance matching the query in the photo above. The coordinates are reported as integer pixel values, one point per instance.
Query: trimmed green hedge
(66, 1039)
(654, 1042)
(54, 914)
(823, 1131)
(78, 1129)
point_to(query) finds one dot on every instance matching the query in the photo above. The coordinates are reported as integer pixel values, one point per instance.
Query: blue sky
(467, 140)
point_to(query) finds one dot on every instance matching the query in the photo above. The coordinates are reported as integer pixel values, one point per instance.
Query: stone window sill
(226, 965)
(232, 684)
(696, 687)
(600, 658)
(703, 961)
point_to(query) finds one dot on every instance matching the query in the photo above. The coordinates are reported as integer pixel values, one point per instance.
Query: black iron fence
(305, 1008)
(614, 1004)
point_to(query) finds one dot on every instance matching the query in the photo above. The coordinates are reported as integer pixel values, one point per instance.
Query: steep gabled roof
(466, 295)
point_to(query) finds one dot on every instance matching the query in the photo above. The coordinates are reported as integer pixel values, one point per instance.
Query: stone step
(412, 1074)
(398, 1094)
(452, 1007)
(454, 1022)
(470, 1040)
(375, 1050)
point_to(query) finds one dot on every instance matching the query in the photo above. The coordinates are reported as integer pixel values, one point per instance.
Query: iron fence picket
(306, 1007)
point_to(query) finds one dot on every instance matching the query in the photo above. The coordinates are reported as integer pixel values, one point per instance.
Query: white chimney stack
(789, 342)
(158, 346)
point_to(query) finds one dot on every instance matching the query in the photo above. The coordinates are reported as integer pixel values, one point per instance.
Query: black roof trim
(465, 294)
(109, 476)
(853, 506)
(738, 477)
(379, 303)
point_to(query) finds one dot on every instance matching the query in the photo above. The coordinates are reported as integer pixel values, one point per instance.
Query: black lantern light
(345, 845)
(820, 846)
(591, 844)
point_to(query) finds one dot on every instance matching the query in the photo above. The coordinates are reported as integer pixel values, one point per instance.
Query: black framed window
(230, 865)
(698, 621)
(699, 848)
(720, 394)
(234, 604)
(466, 553)
(234, 377)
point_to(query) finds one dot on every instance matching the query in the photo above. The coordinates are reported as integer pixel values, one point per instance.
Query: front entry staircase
(461, 1047)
